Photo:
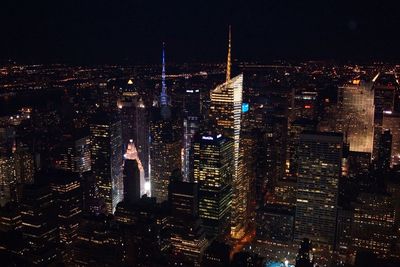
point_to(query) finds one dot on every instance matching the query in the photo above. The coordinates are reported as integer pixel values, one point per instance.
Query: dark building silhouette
(131, 181)
(304, 257)
(217, 255)
(39, 224)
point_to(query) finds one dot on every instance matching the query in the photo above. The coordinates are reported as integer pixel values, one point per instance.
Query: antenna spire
(228, 63)
(164, 96)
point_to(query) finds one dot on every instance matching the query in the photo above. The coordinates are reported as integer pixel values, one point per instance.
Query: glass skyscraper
(106, 139)
(213, 170)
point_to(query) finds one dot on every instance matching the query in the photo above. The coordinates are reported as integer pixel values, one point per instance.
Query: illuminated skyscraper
(141, 136)
(68, 199)
(191, 125)
(24, 168)
(320, 158)
(391, 121)
(165, 155)
(74, 153)
(8, 180)
(296, 128)
(374, 224)
(134, 118)
(107, 159)
(357, 117)
(384, 91)
(187, 234)
(165, 144)
(213, 170)
(82, 157)
(226, 111)
(39, 223)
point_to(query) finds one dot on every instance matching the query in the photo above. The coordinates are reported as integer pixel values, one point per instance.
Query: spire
(228, 62)
(164, 96)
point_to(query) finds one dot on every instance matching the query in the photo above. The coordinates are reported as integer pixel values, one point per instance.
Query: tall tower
(225, 112)
(165, 144)
(106, 138)
(163, 95)
(191, 124)
(228, 60)
(66, 189)
(320, 167)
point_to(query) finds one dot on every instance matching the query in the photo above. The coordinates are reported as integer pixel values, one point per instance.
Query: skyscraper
(373, 226)
(39, 223)
(141, 136)
(187, 238)
(134, 183)
(384, 90)
(320, 157)
(385, 150)
(226, 111)
(191, 123)
(8, 180)
(357, 117)
(165, 144)
(213, 170)
(67, 193)
(107, 159)
(391, 121)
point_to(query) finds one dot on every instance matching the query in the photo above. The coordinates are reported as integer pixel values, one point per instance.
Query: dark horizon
(132, 32)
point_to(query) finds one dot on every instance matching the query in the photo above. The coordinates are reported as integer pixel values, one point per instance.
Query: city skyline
(131, 144)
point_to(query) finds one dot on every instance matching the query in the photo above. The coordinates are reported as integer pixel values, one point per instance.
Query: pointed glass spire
(163, 96)
(228, 61)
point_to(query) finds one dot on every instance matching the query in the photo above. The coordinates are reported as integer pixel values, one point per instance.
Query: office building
(213, 171)
(165, 144)
(191, 124)
(39, 224)
(67, 195)
(188, 240)
(391, 121)
(320, 158)
(373, 226)
(225, 112)
(385, 151)
(107, 160)
(356, 107)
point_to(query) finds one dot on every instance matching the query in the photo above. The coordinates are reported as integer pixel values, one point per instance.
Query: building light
(245, 107)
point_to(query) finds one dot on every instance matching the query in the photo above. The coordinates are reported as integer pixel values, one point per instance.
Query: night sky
(112, 31)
